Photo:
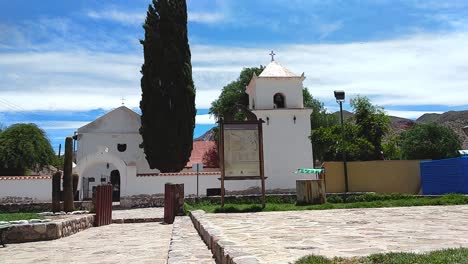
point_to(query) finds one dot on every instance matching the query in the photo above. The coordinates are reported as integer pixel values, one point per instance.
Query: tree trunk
(310, 192)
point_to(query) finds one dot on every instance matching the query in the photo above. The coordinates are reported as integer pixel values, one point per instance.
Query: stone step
(186, 245)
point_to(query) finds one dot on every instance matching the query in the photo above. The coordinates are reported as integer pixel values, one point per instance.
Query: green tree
(24, 147)
(329, 146)
(234, 93)
(319, 117)
(429, 141)
(168, 93)
(372, 123)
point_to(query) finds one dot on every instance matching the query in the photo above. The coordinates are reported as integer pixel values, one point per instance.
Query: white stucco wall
(264, 88)
(155, 184)
(40, 190)
(286, 146)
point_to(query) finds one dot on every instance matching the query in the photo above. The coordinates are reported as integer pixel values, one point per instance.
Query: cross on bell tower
(272, 54)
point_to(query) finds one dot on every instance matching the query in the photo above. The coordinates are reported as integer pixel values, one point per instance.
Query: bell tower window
(279, 100)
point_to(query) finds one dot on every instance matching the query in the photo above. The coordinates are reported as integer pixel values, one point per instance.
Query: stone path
(282, 237)
(186, 245)
(153, 214)
(126, 243)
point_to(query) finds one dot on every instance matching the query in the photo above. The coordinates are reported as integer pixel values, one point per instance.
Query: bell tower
(276, 97)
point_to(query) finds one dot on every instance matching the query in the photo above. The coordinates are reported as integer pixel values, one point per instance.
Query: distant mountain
(207, 136)
(455, 120)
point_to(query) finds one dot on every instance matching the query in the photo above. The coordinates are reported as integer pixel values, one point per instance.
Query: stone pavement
(126, 243)
(153, 214)
(186, 245)
(282, 237)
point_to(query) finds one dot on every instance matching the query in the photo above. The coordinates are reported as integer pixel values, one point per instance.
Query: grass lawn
(333, 202)
(19, 216)
(446, 256)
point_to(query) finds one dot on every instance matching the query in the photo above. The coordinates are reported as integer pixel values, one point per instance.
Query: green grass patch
(333, 202)
(446, 256)
(19, 216)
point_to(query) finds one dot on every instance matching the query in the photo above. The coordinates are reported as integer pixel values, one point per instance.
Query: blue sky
(64, 63)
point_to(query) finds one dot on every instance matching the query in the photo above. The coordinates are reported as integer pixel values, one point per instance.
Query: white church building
(108, 148)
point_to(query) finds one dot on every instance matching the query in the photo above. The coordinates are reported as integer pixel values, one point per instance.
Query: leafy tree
(391, 148)
(234, 93)
(168, 92)
(429, 141)
(328, 143)
(24, 147)
(372, 123)
(362, 138)
(319, 117)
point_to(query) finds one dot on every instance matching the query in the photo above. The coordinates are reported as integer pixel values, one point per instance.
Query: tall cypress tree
(168, 93)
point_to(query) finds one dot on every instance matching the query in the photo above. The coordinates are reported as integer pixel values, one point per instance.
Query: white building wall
(40, 190)
(286, 146)
(155, 184)
(266, 88)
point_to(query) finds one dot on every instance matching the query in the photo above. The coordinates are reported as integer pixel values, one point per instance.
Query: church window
(279, 100)
(121, 147)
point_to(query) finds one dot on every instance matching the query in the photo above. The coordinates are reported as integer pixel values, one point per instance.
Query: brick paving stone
(282, 237)
(186, 245)
(127, 243)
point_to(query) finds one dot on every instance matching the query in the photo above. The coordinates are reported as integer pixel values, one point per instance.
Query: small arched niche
(279, 100)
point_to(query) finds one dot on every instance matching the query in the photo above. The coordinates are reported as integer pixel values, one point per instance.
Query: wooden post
(173, 201)
(310, 192)
(262, 169)
(221, 155)
(103, 205)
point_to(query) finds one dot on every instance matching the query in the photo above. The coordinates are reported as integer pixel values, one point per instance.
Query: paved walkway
(282, 237)
(186, 245)
(153, 214)
(125, 243)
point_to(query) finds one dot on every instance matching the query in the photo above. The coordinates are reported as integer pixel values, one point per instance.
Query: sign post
(198, 167)
(241, 153)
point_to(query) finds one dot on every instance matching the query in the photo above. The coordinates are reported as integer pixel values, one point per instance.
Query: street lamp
(340, 97)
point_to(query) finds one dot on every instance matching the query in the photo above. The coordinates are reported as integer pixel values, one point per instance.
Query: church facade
(108, 148)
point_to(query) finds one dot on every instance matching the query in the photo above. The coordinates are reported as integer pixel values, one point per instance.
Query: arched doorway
(96, 168)
(115, 181)
(279, 100)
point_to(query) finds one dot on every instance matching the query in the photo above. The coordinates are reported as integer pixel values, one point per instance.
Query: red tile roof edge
(31, 177)
(179, 174)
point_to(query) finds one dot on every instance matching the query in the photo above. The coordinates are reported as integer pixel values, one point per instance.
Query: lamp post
(340, 97)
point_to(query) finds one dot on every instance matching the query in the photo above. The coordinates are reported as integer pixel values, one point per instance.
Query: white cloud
(329, 28)
(206, 119)
(418, 70)
(118, 16)
(205, 17)
(52, 125)
(138, 17)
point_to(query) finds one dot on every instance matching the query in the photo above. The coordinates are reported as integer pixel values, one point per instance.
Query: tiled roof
(186, 173)
(31, 177)
(198, 151)
(274, 69)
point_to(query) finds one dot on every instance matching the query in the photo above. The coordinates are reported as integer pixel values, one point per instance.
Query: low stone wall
(223, 251)
(39, 207)
(157, 200)
(48, 231)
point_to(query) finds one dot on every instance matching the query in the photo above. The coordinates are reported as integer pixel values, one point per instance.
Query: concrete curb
(137, 220)
(224, 251)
